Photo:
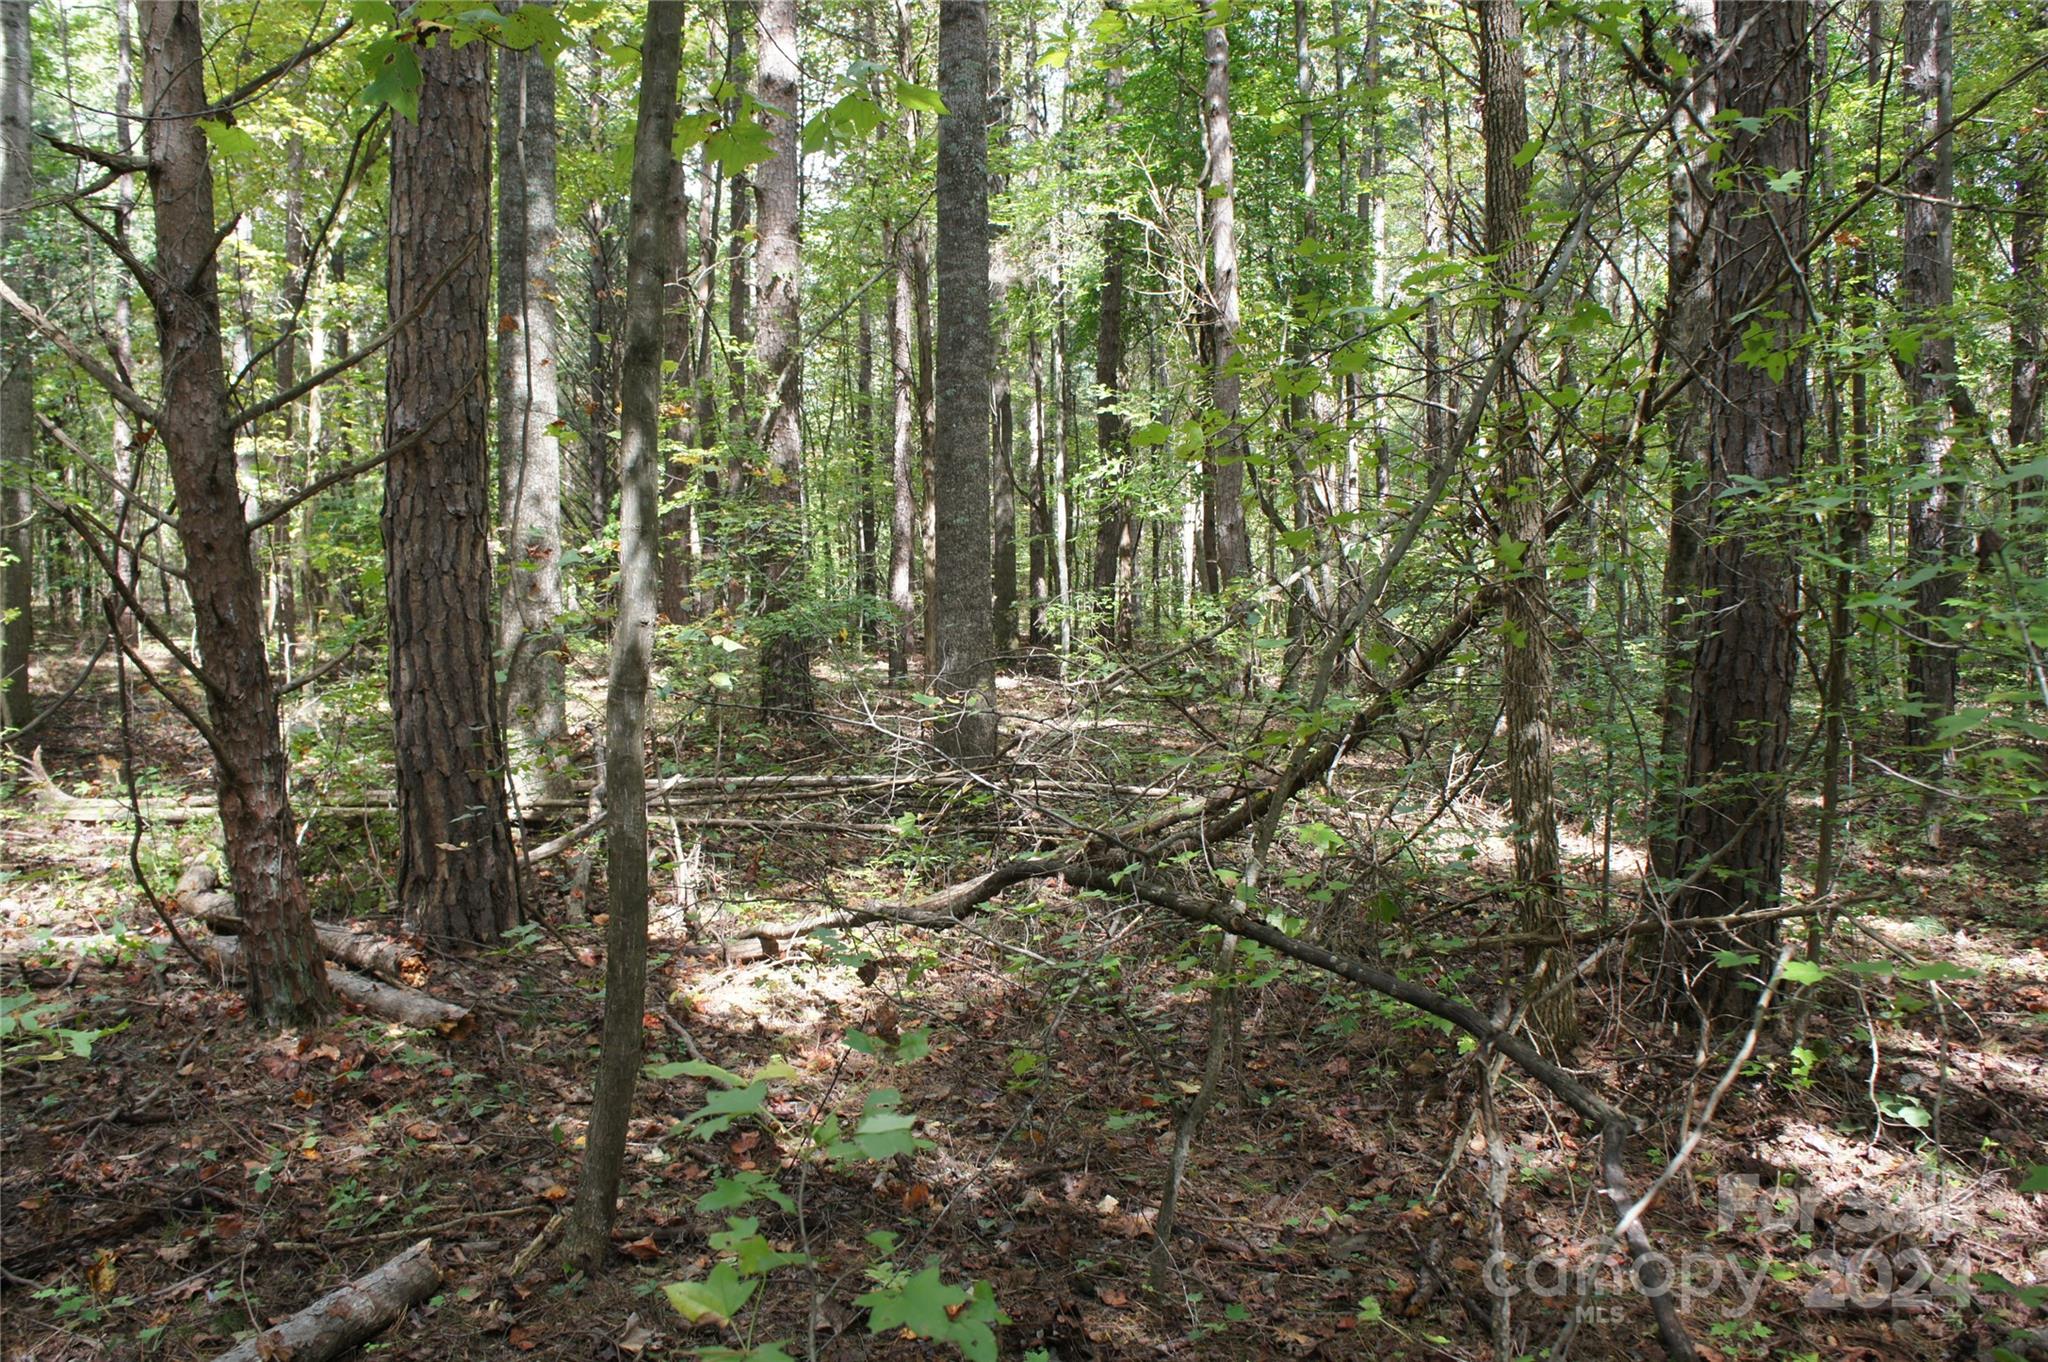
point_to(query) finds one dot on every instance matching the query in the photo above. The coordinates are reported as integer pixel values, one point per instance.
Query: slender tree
(1519, 505)
(17, 384)
(1232, 545)
(786, 656)
(1927, 293)
(284, 980)
(529, 456)
(966, 650)
(456, 867)
(588, 1236)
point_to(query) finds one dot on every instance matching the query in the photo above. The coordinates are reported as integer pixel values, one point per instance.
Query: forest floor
(191, 1175)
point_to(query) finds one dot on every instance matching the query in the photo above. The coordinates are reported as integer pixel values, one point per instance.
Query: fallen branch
(200, 896)
(345, 1319)
(393, 1002)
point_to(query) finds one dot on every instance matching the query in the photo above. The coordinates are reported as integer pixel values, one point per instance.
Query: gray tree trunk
(966, 651)
(529, 456)
(1233, 549)
(786, 654)
(17, 382)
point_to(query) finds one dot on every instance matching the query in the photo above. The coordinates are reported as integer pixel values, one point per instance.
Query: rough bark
(343, 1320)
(1731, 843)
(625, 985)
(284, 982)
(122, 342)
(679, 344)
(1233, 550)
(1518, 518)
(529, 456)
(960, 459)
(17, 384)
(1927, 293)
(786, 651)
(456, 865)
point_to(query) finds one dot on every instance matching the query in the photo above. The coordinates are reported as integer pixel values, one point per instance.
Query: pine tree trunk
(122, 340)
(786, 654)
(1519, 505)
(1731, 844)
(588, 1237)
(960, 460)
(529, 456)
(455, 867)
(285, 981)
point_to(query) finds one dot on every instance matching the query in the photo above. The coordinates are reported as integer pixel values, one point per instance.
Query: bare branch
(75, 352)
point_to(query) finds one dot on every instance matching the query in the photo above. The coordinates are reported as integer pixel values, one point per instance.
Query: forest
(1037, 679)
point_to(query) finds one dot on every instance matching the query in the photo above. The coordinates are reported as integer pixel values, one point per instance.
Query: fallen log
(199, 895)
(345, 1319)
(394, 1002)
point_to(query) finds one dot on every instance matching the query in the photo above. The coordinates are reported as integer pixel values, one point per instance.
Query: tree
(1927, 292)
(456, 870)
(529, 456)
(1519, 506)
(966, 649)
(17, 382)
(625, 983)
(778, 312)
(1231, 550)
(1731, 830)
(284, 982)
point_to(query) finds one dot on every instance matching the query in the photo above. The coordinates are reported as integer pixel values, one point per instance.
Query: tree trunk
(679, 344)
(343, 1320)
(1040, 538)
(786, 654)
(455, 865)
(625, 735)
(529, 456)
(1927, 292)
(17, 382)
(867, 438)
(1519, 505)
(903, 453)
(1233, 548)
(1690, 293)
(966, 677)
(122, 341)
(285, 982)
(1731, 843)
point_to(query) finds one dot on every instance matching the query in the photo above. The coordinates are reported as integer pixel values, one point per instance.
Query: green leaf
(228, 139)
(920, 97)
(2036, 1179)
(1938, 969)
(723, 1108)
(715, 1300)
(1804, 972)
(394, 72)
(919, 1305)
(743, 1189)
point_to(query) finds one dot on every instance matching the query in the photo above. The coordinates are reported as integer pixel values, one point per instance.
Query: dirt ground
(1350, 1195)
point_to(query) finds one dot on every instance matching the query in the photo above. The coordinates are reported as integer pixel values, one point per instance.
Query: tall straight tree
(1232, 548)
(285, 981)
(786, 657)
(17, 384)
(529, 456)
(455, 866)
(1118, 527)
(1926, 294)
(966, 647)
(1518, 519)
(625, 732)
(1731, 832)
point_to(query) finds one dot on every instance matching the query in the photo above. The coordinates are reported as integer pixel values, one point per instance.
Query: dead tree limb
(200, 896)
(345, 1319)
